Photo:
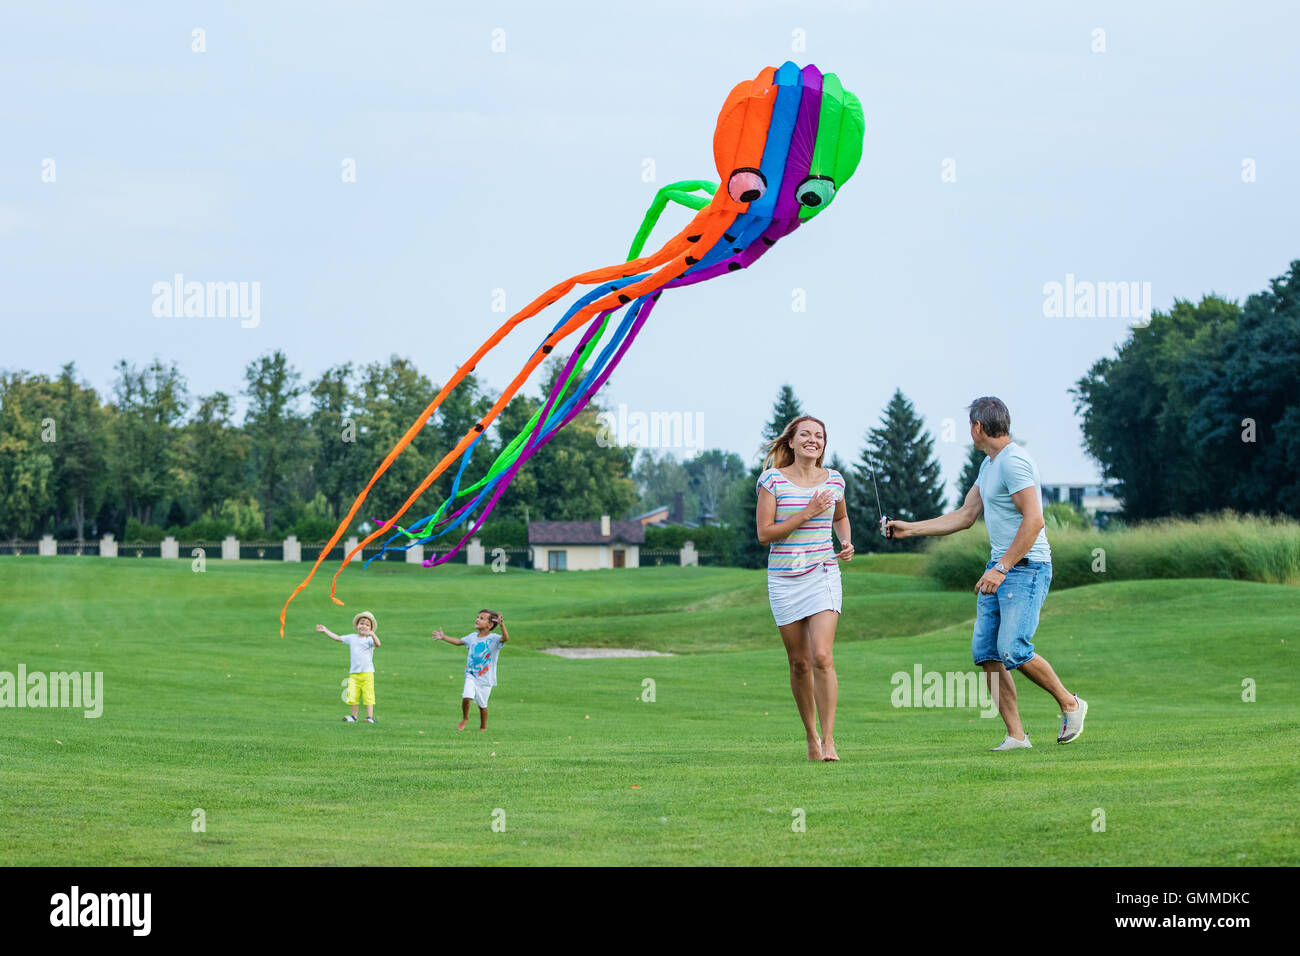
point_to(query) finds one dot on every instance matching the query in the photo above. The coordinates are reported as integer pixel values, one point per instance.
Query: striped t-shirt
(810, 544)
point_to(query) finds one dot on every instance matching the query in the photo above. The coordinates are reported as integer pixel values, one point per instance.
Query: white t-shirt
(363, 653)
(481, 662)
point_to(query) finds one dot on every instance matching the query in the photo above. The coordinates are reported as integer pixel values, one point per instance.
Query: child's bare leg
(464, 713)
(354, 709)
(370, 710)
(482, 718)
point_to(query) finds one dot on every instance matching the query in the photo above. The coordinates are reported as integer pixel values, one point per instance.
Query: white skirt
(796, 596)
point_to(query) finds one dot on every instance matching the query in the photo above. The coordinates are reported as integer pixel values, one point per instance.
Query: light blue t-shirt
(1000, 478)
(481, 662)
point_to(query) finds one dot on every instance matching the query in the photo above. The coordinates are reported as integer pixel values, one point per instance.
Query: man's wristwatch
(999, 568)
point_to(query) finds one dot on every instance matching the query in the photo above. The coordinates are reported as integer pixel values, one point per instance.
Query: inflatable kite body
(785, 143)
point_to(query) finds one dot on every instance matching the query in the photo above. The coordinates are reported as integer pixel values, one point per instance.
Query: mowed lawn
(205, 707)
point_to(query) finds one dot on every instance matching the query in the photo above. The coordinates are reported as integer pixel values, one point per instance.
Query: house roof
(584, 532)
(652, 516)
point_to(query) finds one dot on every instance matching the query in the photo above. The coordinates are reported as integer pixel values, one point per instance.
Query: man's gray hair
(992, 414)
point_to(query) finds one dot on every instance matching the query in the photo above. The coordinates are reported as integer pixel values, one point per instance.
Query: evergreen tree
(969, 471)
(785, 409)
(901, 452)
(860, 532)
(748, 551)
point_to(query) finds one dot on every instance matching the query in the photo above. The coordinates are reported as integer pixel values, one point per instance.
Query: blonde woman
(799, 502)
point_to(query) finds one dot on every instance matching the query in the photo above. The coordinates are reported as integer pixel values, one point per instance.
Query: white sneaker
(1010, 743)
(349, 719)
(1072, 723)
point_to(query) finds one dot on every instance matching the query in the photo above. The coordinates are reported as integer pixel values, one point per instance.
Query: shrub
(1237, 547)
(497, 533)
(714, 539)
(137, 533)
(314, 529)
(1062, 514)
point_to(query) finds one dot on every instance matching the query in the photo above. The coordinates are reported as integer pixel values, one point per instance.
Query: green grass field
(205, 707)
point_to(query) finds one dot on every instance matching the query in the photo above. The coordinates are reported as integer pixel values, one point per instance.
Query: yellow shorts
(361, 689)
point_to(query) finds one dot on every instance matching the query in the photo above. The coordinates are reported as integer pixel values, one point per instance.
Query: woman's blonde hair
(779, 452)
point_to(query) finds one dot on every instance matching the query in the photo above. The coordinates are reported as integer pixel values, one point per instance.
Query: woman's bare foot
(461, 725)
(828, 752)
(814, 748)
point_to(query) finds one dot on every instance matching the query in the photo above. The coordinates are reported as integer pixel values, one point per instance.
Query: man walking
(1017, 576)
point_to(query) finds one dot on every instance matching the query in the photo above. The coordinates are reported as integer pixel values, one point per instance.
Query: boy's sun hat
(374, 625)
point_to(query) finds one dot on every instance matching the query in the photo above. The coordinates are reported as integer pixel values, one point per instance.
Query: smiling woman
(798, 503)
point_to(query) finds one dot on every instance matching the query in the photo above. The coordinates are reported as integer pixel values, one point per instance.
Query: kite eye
(746, 185)
(816, 191)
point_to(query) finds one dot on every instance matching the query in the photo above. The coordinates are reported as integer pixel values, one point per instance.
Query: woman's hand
(820, 502)
(846, 552)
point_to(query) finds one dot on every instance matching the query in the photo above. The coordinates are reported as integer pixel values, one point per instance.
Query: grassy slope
(205, 707)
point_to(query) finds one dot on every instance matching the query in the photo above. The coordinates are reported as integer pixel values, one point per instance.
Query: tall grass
(1238, 547)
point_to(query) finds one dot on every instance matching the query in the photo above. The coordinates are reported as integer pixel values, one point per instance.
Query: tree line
(151, 459)
(1200, 410)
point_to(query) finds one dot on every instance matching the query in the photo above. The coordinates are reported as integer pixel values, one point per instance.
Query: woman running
(799, 502)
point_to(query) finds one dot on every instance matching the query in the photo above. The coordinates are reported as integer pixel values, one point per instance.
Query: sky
(390, 175)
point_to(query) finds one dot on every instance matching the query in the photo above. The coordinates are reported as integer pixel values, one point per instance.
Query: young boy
(481, 663)
(361, 677)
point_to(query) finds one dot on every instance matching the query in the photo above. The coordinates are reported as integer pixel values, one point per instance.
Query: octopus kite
(785, 143)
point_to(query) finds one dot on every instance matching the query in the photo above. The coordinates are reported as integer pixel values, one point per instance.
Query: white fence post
(48, 547)
(292, 548)
(169, 548)
(349, 544)
(415, 554)
(230, 548)
(107, 546)
(474, 553)
(690, 557)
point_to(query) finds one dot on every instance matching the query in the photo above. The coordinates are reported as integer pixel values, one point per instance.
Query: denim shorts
(1006, 620)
